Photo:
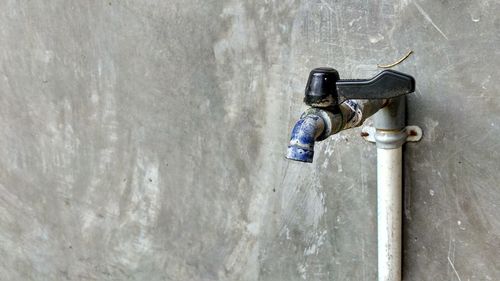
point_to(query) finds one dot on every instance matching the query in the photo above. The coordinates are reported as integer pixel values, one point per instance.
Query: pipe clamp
(390, 139)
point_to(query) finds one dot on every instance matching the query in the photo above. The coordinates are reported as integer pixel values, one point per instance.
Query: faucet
(336, 105)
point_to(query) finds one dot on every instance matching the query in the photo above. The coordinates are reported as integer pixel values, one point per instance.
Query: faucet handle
(385, 85)
(325, 88)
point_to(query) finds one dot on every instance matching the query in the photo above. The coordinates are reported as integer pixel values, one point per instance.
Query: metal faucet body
(318, 123)
(337, 105)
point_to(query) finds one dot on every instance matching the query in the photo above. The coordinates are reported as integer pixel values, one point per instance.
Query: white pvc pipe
(389, 213)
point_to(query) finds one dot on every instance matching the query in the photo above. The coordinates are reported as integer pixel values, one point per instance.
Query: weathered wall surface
(144, 140)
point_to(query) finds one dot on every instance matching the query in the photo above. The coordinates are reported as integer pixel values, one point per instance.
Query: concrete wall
(145, 140)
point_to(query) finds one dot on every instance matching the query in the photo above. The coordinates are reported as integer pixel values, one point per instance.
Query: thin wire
(397, 62)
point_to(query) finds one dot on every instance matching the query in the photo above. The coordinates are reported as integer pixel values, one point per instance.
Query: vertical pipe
(389, 213)
(390, 137)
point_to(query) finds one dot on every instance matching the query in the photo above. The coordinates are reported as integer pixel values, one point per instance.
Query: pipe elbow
(304, 134)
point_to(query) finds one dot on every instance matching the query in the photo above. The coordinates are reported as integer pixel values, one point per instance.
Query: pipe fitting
(390, 139)
(332, 120)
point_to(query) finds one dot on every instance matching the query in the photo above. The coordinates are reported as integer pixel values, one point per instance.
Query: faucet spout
(317, 124)
(305, 132)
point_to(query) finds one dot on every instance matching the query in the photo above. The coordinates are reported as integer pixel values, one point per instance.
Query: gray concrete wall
(145, 140)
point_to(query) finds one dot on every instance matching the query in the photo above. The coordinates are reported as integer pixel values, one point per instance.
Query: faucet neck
(317, 124)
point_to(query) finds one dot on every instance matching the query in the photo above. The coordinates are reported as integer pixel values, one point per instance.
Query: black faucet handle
(325, 88)
(385, 85)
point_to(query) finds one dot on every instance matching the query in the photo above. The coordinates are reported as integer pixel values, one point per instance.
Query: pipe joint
(332, 121)
(390, 139)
